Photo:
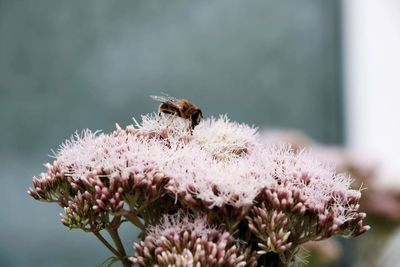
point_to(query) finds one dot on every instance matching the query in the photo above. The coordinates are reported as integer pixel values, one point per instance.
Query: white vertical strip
(372, 81)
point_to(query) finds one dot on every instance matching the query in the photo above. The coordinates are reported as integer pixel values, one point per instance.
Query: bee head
(196, 117)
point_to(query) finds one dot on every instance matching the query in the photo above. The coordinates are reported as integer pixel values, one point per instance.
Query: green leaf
(109, 261)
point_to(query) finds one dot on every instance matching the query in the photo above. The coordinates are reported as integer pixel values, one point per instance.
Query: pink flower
(271, 198)
(183, 240)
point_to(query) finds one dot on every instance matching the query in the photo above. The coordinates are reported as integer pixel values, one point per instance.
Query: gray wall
(67, 65)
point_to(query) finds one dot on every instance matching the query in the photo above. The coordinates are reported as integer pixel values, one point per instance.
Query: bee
(179, 107)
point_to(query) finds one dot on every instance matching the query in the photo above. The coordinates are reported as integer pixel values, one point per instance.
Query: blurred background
(324, 73)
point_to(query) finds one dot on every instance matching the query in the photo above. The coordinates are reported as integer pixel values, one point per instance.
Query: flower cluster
(184, 241)
(245, 201)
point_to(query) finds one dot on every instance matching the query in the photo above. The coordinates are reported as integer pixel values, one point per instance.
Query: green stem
(133, 218)
(108, 245)
(120, 247)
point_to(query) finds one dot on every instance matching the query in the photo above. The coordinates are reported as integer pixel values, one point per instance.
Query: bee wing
(164, 99)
